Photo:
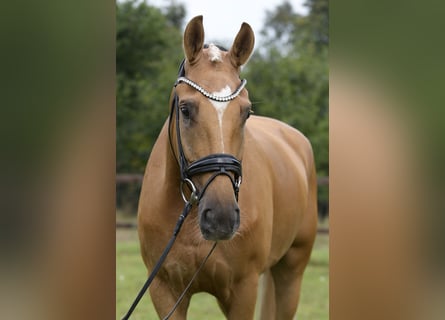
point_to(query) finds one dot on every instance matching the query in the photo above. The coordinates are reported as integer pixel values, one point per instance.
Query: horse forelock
(214, 53)
(213, 71)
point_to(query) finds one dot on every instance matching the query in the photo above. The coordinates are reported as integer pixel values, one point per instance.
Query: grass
(131, 274)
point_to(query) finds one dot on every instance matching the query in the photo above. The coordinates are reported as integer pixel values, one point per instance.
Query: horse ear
(193, 39)
(242, 46)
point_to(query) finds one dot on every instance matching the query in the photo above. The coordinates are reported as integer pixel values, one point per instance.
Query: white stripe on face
(220, 107)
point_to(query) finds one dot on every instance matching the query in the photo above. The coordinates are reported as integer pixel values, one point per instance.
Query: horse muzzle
(218, 210)
(217, 220)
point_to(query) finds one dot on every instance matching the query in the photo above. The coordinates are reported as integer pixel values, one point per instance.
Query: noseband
(218, 163)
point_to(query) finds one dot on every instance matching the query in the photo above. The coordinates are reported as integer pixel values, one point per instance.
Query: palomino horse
(269, 229)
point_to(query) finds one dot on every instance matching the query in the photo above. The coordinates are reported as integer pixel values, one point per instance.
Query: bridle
(217, 164)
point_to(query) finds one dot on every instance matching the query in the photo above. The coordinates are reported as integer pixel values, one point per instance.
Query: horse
(256, 181)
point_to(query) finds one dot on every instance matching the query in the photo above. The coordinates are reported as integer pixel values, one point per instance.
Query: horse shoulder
(287, 142)
(284, 157)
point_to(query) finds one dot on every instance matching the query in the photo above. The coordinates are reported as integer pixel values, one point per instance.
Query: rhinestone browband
(210, 95)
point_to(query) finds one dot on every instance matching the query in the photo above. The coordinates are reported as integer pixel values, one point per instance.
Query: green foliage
(148, 50)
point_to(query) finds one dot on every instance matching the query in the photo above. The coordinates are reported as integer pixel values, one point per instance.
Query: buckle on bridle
(193, 196)
(238, 183)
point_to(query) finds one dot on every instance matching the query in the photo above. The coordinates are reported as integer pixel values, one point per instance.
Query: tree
(148, 52)
(288, 77)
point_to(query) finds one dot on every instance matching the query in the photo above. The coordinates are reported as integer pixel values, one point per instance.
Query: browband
(209, 95)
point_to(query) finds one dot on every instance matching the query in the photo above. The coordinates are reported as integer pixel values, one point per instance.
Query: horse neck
(172, 173)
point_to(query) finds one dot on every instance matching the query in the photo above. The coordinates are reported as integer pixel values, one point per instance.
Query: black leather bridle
(219, 163)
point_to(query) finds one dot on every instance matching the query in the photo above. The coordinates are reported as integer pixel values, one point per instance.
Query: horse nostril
(218, 223)
(218, 217)
(207, 215)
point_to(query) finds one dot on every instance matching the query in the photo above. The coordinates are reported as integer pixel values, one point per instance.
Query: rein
(161, 260)
(218, 164)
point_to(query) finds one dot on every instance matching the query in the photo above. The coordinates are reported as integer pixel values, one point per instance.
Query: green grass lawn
(131, 274)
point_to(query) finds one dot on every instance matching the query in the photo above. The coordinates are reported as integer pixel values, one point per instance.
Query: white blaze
(220, 107)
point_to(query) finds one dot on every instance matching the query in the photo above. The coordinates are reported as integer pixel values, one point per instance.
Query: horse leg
(267, 297)
(287, 275)
(164, 299)
(288, 272)
(241, 303)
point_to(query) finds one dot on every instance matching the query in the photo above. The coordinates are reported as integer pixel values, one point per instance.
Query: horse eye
(185, 112)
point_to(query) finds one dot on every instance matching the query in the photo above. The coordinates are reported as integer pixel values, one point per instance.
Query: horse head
(212, 107)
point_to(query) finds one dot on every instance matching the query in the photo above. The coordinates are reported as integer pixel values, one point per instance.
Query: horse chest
(216, 277)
